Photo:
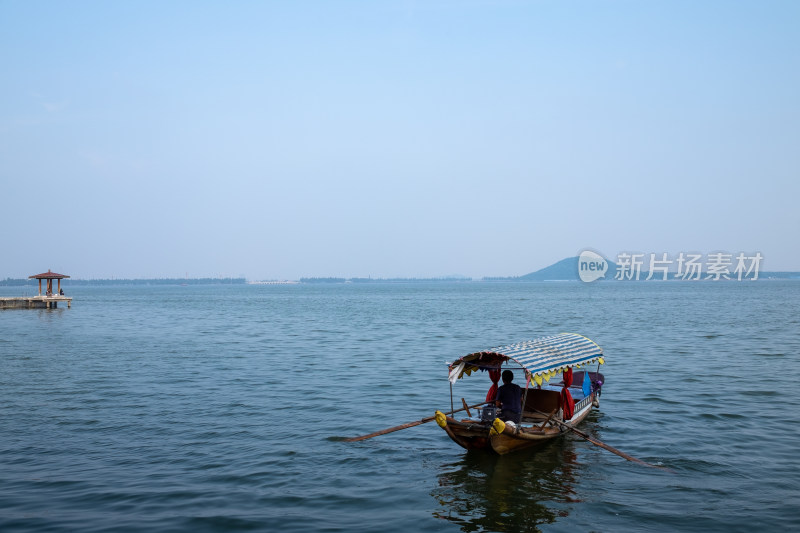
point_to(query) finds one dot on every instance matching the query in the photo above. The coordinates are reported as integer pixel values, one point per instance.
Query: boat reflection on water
(516, 492)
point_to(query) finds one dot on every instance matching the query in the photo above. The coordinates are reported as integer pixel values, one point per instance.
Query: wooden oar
(548, 418)
(606, 446)
(409, 425)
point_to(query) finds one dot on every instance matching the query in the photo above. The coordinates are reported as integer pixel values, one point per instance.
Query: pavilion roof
(48, 275)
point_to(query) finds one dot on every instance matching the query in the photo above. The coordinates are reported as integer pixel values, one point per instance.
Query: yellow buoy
(497, 427)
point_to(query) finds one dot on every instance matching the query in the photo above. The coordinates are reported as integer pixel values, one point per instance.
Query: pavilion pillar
(40, 286)
(59, 285)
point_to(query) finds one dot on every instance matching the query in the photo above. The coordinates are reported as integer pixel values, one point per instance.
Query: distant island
(567, 270)
(564, 270)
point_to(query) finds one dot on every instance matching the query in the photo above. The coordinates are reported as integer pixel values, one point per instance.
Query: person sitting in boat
(509, 399)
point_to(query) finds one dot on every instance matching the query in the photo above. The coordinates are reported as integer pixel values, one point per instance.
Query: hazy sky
(285, 139)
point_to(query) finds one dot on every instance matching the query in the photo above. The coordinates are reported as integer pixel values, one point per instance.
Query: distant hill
(564, 270)
(567, 270)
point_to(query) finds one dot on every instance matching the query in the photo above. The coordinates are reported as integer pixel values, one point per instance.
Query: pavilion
(49, 276)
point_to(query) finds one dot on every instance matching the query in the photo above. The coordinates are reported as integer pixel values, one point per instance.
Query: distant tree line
(380, 280)
(12, 282)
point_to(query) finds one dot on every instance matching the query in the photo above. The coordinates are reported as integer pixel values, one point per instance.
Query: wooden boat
(550, 407)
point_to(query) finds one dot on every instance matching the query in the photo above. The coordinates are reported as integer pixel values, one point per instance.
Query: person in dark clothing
(509, 399)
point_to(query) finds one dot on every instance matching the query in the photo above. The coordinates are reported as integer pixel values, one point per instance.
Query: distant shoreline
(17, 282)
(560, 271)
(13, 282)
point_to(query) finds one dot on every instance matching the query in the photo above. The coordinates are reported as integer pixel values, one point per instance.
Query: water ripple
(224, 409)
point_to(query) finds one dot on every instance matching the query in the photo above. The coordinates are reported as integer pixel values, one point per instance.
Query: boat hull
(477, 435)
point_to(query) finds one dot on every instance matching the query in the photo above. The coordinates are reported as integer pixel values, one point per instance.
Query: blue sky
(284, 139)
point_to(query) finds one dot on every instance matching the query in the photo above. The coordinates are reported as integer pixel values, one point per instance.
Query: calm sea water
(221, 408)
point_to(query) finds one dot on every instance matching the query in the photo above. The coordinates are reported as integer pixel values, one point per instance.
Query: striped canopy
(540, 357)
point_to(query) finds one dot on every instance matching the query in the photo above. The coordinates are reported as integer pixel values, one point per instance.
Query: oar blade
(408, 425)
(389, 430)
(605, 446)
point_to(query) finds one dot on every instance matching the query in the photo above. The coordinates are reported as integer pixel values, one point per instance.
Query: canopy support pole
(528, 377)
(452, 409)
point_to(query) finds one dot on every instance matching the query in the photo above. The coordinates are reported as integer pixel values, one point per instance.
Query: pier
(33, 302)
(48, 300)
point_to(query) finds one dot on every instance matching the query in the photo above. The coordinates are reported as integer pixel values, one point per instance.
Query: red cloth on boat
(567, 403)
(494, 375)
